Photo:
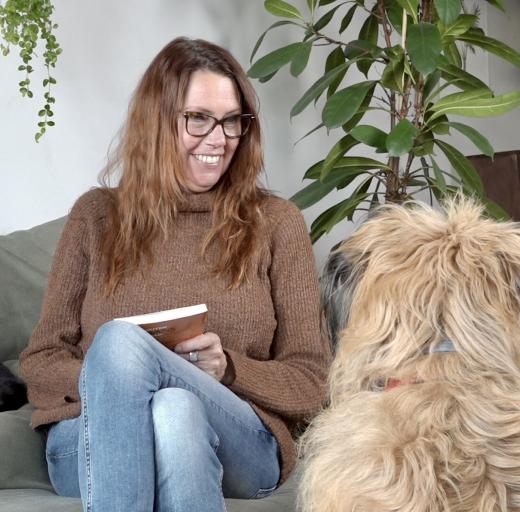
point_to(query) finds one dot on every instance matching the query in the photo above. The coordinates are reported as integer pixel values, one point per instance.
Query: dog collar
(443, 346)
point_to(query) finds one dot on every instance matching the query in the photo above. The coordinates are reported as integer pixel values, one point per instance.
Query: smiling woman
(129, 421)
(205, 146)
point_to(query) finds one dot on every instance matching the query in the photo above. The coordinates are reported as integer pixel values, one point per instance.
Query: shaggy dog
(424, 390)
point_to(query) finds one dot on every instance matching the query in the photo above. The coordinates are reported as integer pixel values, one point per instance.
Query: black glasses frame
(220, 122)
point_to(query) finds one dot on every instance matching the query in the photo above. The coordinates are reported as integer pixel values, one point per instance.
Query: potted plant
(409, 52)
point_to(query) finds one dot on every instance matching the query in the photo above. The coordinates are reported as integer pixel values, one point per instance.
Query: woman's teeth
(208, 159)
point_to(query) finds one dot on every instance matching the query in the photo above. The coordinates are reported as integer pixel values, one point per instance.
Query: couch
(25, 258)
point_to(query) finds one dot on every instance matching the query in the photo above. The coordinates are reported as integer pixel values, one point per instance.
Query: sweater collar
(202, 202)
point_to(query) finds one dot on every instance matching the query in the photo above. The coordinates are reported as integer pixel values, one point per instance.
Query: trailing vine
(24, 24)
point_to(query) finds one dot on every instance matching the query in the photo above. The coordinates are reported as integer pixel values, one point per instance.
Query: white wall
(108, 44)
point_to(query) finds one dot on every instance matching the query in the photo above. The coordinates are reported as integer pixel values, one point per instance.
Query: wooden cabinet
(501, 178)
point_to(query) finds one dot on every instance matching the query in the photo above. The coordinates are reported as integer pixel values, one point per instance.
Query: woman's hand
(207, 350)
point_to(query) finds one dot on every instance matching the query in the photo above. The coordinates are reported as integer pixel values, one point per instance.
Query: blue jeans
(157, 433)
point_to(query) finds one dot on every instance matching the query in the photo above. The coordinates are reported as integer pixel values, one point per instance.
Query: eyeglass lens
(198, 124)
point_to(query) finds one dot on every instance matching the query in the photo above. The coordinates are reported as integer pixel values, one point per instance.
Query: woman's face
(207, 158)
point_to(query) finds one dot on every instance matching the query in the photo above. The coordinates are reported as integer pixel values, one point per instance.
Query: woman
(147, 428)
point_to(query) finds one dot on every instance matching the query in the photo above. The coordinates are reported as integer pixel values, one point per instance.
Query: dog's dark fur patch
(13, 393)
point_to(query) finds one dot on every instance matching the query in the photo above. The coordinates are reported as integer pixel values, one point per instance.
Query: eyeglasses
(200, 125)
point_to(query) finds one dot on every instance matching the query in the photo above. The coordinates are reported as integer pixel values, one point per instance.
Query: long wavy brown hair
(152, 183)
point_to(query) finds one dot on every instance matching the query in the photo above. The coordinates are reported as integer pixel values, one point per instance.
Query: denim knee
(179, 415)
(116, 345)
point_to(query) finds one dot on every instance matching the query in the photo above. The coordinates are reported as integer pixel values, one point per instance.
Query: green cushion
(25, 258)
(22, 460)
(36, 500)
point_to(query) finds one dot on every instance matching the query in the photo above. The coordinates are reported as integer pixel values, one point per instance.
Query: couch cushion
(22, 460)
(36, 500)
(39, 500)
(25, 258)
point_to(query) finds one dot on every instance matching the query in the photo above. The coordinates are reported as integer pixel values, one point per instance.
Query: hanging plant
(23, 24)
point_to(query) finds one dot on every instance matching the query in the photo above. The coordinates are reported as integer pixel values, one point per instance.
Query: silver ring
(193, 357)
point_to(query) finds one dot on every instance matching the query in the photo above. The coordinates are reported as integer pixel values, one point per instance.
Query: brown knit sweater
(269, 326)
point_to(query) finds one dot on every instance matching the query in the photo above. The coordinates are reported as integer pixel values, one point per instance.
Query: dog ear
(338, 284)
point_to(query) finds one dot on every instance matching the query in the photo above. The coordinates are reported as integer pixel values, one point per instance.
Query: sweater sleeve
(292, 382)
(52, 362)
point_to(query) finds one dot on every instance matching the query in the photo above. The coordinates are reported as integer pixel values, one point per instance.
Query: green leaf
(312, 4)
(282, 9)
(314, 171)
(273, 61)
(356, 162)
(459, 77)
(342, 105)
(424, 46)
(266, 78)
(345, 22)
(317, 88)
(309, 133)
(335, 58)
(338, 150)
(369, 32)
(423, 144)
(497, 3)
(370, 135)
(348, 209)
(338, 178)
(439, 177)
(477, 38)
(411, 7)
(362, 49)
(476, 137)
(460, 26)
(454, 101)
(330, 217)
(325, 19)
(395, 14)
(448, 10)
(452, 54)
(322, 224)
(430, 84)
(481, 107)
(301, 58)
(400, 140)
(261, 38)
(494, 210)
(351, 123)
(468, 174)
(439, 125)
(392, 77)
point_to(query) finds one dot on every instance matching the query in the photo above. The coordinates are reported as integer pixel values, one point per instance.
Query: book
(172, 326)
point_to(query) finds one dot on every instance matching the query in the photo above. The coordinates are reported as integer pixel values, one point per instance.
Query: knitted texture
(269, 326)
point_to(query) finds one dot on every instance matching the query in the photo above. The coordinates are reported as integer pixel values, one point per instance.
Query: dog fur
(448, 437)
(13, 393)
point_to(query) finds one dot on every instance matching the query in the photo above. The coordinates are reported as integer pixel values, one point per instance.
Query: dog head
(412, 276)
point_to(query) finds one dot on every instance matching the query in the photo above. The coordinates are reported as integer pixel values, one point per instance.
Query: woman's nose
(217, 136)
